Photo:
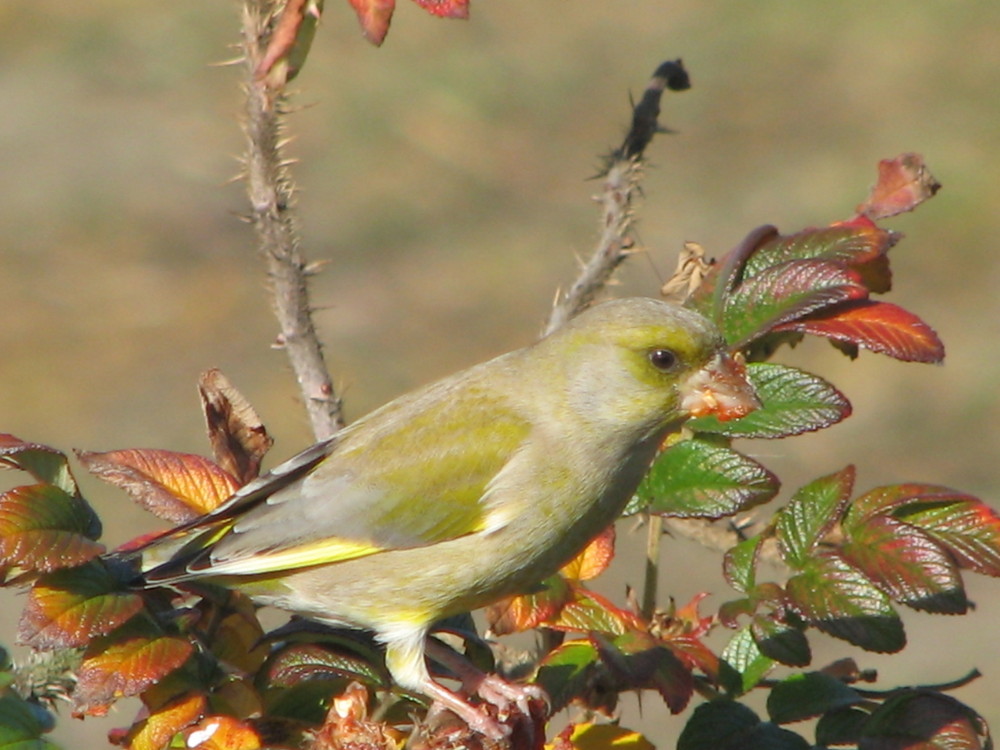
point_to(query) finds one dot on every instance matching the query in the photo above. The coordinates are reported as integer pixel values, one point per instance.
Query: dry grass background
(444, 178)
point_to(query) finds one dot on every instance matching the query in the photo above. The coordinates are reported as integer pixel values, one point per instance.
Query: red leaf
(177, 487)
(69, 607)
(783, 294)
(906, 564)
(588, 611)
(925, 720)
(157, 730)
(878, 326)
(518, 613)
(903, 184)
(43, 528)
(374, 17)
(127, 667)
(446, 8)
(840, 600)
(594, 559)
(289, 43)
(222, 733)
(968, 528)
(889, 498)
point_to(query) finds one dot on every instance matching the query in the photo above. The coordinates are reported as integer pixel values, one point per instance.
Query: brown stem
(271, 195)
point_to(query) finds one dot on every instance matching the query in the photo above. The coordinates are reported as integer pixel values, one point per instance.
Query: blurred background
(444, 178)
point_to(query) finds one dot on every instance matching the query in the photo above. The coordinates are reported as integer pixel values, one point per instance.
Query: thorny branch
(271, 195)
(621, 174)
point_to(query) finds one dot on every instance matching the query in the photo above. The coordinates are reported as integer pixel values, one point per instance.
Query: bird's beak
(720, 388)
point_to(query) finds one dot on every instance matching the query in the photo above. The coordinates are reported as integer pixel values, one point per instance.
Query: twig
(270, 191)
(621, 174)
(651, 578)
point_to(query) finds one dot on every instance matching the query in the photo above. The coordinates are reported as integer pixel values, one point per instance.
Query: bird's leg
(404, 657)
(490, 687)
(477, 719)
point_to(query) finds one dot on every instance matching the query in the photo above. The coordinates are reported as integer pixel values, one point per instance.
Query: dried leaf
(348, 726)
(691, 270)
(239, 439)
(903, 184)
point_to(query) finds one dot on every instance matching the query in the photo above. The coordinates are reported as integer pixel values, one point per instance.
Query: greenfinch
(466, 491)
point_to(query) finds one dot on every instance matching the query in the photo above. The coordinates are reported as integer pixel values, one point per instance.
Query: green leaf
(565, 671)
(743, 663)
(739, 565)
(811, 513)
(783, 293)
(637, 660)
(841, 727)
(42, 462)
(803, 696)
(850, 245)
(309, 661)
(840, 600)
(68, 608)
(22, 725)
(906, 564)
(43, 528)
(727, 725)
(696, 478)
(588, 611)
(780, 641)
(793, 402)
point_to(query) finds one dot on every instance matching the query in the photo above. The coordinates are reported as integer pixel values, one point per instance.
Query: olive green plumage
(469, 489)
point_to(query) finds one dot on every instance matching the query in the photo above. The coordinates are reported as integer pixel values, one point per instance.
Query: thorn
(314, 267)
(228, 63)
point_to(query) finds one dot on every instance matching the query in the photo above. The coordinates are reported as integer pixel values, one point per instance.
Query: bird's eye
(663, 359)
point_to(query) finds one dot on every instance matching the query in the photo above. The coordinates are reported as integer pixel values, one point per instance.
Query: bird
(465, 491)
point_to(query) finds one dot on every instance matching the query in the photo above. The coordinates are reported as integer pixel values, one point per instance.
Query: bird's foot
(500, 693)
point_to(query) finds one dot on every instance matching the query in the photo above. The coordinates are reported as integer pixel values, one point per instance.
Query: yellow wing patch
(323, 552)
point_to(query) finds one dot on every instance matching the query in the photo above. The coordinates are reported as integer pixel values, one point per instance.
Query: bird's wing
(380, 487)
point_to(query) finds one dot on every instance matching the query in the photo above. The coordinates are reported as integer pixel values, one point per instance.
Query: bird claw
(498, 692)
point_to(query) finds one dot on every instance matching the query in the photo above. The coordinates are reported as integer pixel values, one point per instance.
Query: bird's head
(641, 364)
